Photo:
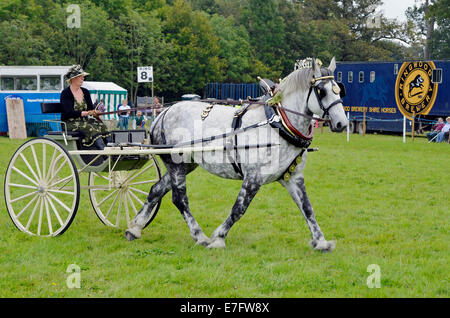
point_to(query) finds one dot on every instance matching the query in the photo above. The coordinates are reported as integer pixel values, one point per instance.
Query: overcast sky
(395, 9)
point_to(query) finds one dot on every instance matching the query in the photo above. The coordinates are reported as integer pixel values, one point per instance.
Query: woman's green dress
(91, 128)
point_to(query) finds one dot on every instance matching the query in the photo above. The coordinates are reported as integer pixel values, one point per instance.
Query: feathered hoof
(323, 246)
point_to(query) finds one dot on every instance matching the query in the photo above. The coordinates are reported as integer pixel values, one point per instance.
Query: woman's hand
(87, 113)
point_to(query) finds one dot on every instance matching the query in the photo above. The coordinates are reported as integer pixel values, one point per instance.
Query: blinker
(341, 89)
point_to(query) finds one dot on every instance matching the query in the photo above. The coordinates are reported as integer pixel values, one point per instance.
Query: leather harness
(277, 118)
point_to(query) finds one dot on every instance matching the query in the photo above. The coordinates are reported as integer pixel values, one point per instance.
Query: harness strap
(236, 124)
(319, 100)
(290, 170)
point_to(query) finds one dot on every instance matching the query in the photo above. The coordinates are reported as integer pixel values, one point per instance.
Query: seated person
(77, 106)
(444, 134)
(436, 129)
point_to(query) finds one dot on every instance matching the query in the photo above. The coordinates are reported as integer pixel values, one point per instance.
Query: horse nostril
(339, 125)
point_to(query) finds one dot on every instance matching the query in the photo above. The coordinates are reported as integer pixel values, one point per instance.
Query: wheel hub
(41, 190)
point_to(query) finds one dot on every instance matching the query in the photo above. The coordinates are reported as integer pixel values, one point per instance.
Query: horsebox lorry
(381, 94)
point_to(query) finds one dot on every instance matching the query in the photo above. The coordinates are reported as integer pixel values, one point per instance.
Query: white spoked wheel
(42, 188)
(116, 199)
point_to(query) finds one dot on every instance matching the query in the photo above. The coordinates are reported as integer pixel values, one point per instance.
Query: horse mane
(299, 79)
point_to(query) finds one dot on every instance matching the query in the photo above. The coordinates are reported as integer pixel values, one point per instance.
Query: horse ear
(316, 68)
(332, 65)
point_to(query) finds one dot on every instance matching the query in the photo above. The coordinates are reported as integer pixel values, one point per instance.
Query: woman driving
(77, 109)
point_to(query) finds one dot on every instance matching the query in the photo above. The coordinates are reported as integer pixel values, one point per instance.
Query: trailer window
(339, 76)
(372, 76)
(361, 77)
(395, 69)
(50, 83)
(350, 77)
(7, 84)
(26, 83)
(436, 77)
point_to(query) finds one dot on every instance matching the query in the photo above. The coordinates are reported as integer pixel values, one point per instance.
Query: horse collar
(290, 127)
(286, 130)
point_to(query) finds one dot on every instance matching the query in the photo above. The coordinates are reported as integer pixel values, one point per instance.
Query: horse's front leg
(249, 188)
(297, 190)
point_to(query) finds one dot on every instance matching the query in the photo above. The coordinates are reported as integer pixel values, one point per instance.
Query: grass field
(384, 202)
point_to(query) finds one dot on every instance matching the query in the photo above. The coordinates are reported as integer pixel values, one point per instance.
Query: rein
(131, 109)
(250, 102)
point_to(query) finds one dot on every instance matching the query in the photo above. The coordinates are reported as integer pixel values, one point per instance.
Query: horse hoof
(216, 243)
(323, 246)
(130, 236)
(205, 241)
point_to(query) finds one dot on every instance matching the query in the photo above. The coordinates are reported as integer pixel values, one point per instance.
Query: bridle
(318, 86)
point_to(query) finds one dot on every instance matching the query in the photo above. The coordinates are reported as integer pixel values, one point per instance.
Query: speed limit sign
(145, 74)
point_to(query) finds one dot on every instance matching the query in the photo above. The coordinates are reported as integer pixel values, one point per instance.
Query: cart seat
(69, 133)
(51, 108)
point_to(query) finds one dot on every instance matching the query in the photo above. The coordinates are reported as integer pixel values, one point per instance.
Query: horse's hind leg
(297, 190)
(249, 188)
(157, 192)
(177, 174)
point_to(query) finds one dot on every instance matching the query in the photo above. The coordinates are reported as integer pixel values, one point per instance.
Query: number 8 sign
(145, 74)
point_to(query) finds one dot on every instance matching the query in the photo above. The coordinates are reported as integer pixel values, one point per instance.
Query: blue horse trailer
(383, 93)
(33, 85)
(232, 90)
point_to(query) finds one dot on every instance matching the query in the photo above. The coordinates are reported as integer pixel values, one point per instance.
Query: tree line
(192, 42)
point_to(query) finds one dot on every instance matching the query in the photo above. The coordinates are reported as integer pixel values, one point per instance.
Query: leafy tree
(19, 46)
(266, 29)
(440, 39)
(236, 51)
(194, 57)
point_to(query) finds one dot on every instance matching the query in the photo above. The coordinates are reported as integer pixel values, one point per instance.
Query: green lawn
(384, 202)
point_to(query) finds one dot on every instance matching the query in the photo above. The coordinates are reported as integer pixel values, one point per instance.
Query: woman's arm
(67, 101)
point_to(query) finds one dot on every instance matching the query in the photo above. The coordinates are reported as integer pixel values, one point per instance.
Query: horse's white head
(325, 95)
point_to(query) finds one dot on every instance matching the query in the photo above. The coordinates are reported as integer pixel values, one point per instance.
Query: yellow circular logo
(414, 92)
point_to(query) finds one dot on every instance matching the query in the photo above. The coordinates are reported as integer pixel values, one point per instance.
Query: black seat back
(51, 108)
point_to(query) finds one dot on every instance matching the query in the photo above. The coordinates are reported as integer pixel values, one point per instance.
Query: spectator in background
(123, 116)
(140, 120)
(436, 129)
(444, 134)
(101, 107)
(157, 108)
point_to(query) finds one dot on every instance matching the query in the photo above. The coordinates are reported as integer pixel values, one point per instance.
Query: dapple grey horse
(182, 122)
